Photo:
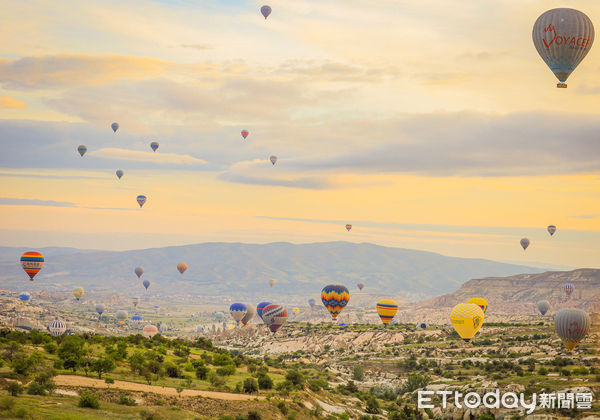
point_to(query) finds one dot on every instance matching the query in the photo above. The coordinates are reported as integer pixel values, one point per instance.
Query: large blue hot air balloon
(24, 297)
(260, 307)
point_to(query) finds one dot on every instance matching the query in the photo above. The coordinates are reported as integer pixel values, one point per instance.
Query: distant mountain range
(232, 269)
(519, 293)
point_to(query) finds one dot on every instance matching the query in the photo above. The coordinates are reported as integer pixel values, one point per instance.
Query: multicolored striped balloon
(57, 327)
(348, 227)
(32, 262)
(260, 307)
(481, 302)
(386, 309)
(568, 288)
(274, 316)
(81, 149)
(335, 297)
(265, 11)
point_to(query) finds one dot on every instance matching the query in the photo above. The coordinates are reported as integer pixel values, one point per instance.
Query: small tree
(250, 385)
(14, 388)
(372, 405)
(71, 352)
(102, 365)
(88, 400)
(265, 382)
(358, 374)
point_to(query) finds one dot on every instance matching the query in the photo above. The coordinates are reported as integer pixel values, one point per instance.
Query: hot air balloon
(524, 243)
(81, 149)
(296, 310)
(386, 309)
(274, 316)
(467, 319)
(57, 327)
(572, 325)
(273, 159)
(119, 173)
(563, 37)
(481, 302)
(135, 301)
(114, 126)
(163, 328)
(154, 145)
(99, 308)
(146, 284)
(237, 311)
(181, 267)
(422, 326)
(149, 331)
(139, 271)
(199, 329)
(141, 199)
(24, 297)
(78, 292)
(568, 288)
(312, 302)
(348, 227)
(260, 307)
(219, 316)
(137, 318)
(543, 306)
(335, 297)
(551, 229)
(250, 312)
(360, 286)
(245, 133)
(272, 282)
(266, 11)
(121, 316)
(32, 262)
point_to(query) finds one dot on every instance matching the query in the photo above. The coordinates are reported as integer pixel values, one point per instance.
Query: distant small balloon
(78, 292)
(141, 199)
(146, 284)
(524, 243)
(273, 159)
(551, 229)
(245, 133)
(568, 288)
(99, 308)
(149, 331)
(272, 282)
(154, 145)
(312, 302)
(114, 126)
(24, 297)
(348, 227)
(296, 310)
(82, 149)
(135, 301)
(32, 262)
(266, 11)
(360, 286)
(121, 316)
(139, 271)
(543, 306)
(57, 327)
(181, 267)
(119, 173)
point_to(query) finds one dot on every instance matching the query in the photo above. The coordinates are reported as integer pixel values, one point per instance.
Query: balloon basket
(561, 85)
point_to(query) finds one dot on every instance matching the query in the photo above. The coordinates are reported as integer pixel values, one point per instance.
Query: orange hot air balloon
(181, 267)
(32, 262)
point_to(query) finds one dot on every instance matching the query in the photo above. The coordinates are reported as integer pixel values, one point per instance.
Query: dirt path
(71, 380)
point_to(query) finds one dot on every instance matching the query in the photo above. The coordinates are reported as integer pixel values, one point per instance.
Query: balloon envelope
(572, 325)
(237, 311)
(568, 288)
(149, 331)
(141, 199)
(272, 282)
(114, 126)
(543, 306)
(245, 133)
(146, 284)
(135, 301)
(274, 316)
(181, 267)
(265, 11)
(386, 309)
(32, 262)
(82, 149)
(119, 173)
(348, 227)
(312, 302)
(360, 286)
(273, 159)
(296, 310)
(139, 271)
(24, 297)
(78, 292)
(121, 315)
(335, 297)
(57, 327)
(99, 308)
(563, 37)
(467, 319)
(154, 145)
(260, 307)
(551, 229)
(524, 243)
(250, 312)
(481, 302)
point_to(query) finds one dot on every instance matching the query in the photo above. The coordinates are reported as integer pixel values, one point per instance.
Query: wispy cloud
(6, 102)
(6, 201)
(584, 216)
(197, 46)
(140, 156)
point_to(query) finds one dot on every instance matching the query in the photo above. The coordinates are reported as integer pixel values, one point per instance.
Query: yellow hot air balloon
(78, 292)
(272, 282)
(467, 319)
(387, 308)
(481, 302)
(296, 310)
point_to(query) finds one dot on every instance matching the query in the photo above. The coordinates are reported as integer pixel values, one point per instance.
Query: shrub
(250, 385)
(372, 405)
(226, 370)
(253, 415)
(265, 382)
(415, 381)
(358, 374)
(88, 400)
(149, 415)
(542, 371)
(216, 380)
(282, 407)
(14, 388)
(125, 400)
(35, 388)
(50, 347)
(202, 372)
(6, 403)
(172, 370)
(295, 378)
(109, 380)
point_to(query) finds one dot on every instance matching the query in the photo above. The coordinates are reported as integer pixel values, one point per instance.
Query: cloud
(584, 216)
(140, 156)
(6, 102)
(197, 46)
(58, 71)
(6, 201)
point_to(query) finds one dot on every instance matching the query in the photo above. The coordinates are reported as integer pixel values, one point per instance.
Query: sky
(427, 125)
